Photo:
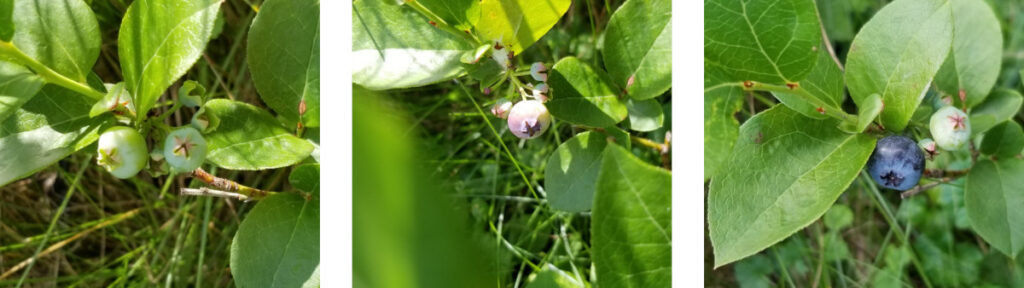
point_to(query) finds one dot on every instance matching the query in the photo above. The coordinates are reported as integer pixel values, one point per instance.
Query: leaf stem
(11, 53)
(829, 110)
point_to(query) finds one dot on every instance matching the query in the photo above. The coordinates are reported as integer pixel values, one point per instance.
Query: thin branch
(203, 191)
(919, 188)
(229, 186)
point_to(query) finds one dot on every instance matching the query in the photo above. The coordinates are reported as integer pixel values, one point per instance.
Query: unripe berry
(185, 149)
(951, 128)
(501, 108)
(500, 55)
(537, 71)
(541, 92)
(529, 119)
(122, 151)
(928, 145)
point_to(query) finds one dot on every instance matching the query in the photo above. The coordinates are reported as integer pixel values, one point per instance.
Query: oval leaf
(306, 178)
(63, 35)
(632, 225)
(17, 86)
(278, 243)
(720, 126)
(6, 20)
(395, 47)
(638, 46)
(745, 40)
(1004, 141)
(571, 172)
(973, 63)
(785, 171)
(46, 129)
(284, 58)
(518, 23)
(896, 54)
(583, 95)
(1001, 106)
(993, 193)
(645, 115)
(249, 138)
(158, 42)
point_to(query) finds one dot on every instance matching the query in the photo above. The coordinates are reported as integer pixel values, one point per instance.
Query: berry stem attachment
(228, 185)
(925, 187)
(9, 52)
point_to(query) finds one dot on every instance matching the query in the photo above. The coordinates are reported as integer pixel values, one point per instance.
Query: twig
(924, 187)
(203, 191)
(229, 186)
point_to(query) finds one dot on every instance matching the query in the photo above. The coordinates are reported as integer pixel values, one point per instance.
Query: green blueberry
(951, 128)
(122, 151)
(185, 149)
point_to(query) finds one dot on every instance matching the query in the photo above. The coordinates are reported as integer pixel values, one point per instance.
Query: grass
(74, 225)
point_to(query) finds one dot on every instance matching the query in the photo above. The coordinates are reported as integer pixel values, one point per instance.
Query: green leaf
(17, 86)
(896, 54)
(632, 222)
(1004, 141)
(6, 20)
(571, 173)
(158, 42)
(249, 138)
(552, 277)
(284, 59)
(720, 126)
(825, 83)
(773, 41)
(620, 136)
(63, 35)
(645, 115)
(869, 110)
(46, 129)
(461, 14)
(638, 46)
(518, 23)
(278, 243)
(306, 177)
(115, 96)
(583, 95)
(993, 193)
(785, 171)
(1001, 106)
(395, 47)
(973, 63)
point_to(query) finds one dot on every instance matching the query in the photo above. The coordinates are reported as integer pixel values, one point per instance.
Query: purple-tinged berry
(537, 71)
(501, 108)
(529, 119)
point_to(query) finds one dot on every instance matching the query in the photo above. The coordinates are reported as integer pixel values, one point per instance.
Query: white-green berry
(122, 151)
(951, 128)
(185, 149)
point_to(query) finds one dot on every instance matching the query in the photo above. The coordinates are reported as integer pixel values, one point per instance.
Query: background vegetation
(86, 228)
(872, 238)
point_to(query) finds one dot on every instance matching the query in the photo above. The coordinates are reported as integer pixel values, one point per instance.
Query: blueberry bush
(545, 124)
(132, 102)
(863, 143)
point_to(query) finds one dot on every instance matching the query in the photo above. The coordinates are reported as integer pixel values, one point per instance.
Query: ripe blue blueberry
(897, 163)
